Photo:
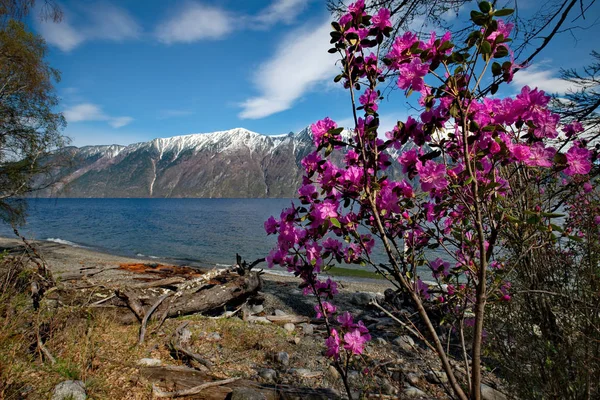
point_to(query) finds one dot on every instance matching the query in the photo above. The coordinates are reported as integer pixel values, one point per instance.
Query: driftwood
(167, 282)
(226, 288)
(185, 378)
(191, 391)
(178, 345)
(133, 302)
(149, 314)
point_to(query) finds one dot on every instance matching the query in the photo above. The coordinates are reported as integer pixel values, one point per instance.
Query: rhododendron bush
(470, 157)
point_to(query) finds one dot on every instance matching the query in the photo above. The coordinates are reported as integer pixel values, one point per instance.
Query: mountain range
(232, 163)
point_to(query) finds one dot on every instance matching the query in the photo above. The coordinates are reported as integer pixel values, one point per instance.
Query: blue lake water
(202, 232)
(197, 231)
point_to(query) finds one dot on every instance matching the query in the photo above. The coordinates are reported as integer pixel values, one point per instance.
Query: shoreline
(66, 259)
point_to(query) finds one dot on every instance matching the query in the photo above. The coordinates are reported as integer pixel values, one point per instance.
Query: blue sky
(133, 71)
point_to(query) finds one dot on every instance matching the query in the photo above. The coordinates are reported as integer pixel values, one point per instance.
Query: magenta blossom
(382, 19)
(354, 342)
(333, 345)
(271, 225)
(327, 309)
(369, 99)
(411, 75)
(578, 161)
(320, 128)
(432, 176)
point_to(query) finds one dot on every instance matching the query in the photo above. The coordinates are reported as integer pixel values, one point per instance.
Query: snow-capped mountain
(233, 163)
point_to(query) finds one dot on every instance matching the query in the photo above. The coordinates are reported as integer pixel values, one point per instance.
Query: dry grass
(97, 349)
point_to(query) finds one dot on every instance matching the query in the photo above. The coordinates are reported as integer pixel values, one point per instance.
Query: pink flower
(597, 219)
(328, 308)
(382, 19)
(540, 156)
(369, 99)
(346, 320)
(400, 49)
(320, 128)
(439, 267)
(423, 289)
(327, 209)
(354, 342)
(573, 128)
(520, 151)
(408, 159)
(578, 161)
(587, 187)
(271, 225)
(503, 29)
(353, 176)
(432, 176)
(411, 75)
(333, 345)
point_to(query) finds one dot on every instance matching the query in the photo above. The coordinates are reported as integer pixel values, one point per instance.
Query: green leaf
(496, 69)
(485, 7)
(335, 222)
(501, 52)
(486, 47)
(336, 26)
(504, 12)
(338, 78)
(494, 88)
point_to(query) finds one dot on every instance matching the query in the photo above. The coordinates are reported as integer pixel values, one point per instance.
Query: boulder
(69, 390)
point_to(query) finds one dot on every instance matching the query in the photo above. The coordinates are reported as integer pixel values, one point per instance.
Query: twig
(411, 330)
(134, 304)
(191, 391)
(97, 303)
(190, 354)
(149, 313)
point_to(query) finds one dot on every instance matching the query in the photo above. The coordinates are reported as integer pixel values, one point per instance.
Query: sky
(137, 70)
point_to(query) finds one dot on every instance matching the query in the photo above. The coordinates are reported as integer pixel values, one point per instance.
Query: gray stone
(363, 298)
(305, 373)
(412, 391)
(388, 388)
(185, 336)
(257, 308)
(69, 390)
(214, 336)
(489, 393)
(333, 373)
(307, 329)
(353, 377)
(283, 358)
(381, 341)
(149, 362)
(289, 327)
(280, 313)
(405, 342)
(241, 393)
(259, 320)
(269, 375)
(437, 377)
(413, 378)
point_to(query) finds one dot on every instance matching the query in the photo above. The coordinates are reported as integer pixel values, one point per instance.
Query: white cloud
(102, 21)
(542, 79)
(195, 21)
(301, 62)
(119, 122)
(91, 112)
(164, 114)
(281, 10)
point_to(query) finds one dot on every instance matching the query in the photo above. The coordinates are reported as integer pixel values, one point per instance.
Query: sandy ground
(102, 268)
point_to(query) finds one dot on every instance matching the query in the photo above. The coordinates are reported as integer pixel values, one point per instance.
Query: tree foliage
(30, 128)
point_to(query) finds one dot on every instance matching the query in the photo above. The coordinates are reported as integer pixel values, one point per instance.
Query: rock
(294, 340)
(283, 358)
(437, 377)
(214, 336)
(257, 308)
(380, 341)
(243, 393)
(333, 373)
(307, 329)
(69, 390)
(388, 388)
(353, 377)
(149, 362)
(185, 336)
(280, 313)
(289, 327)
(489, 393)
(269, 375)
(405, 342)
(260, 320)
(305, 373)
(412, 391)
(413, 378)
(363, 298)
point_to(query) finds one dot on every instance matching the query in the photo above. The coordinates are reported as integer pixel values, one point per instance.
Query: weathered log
(149, 314)
(191, 391)
(185, 378)
(234, 288)
(167, 282)
(133, 302)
